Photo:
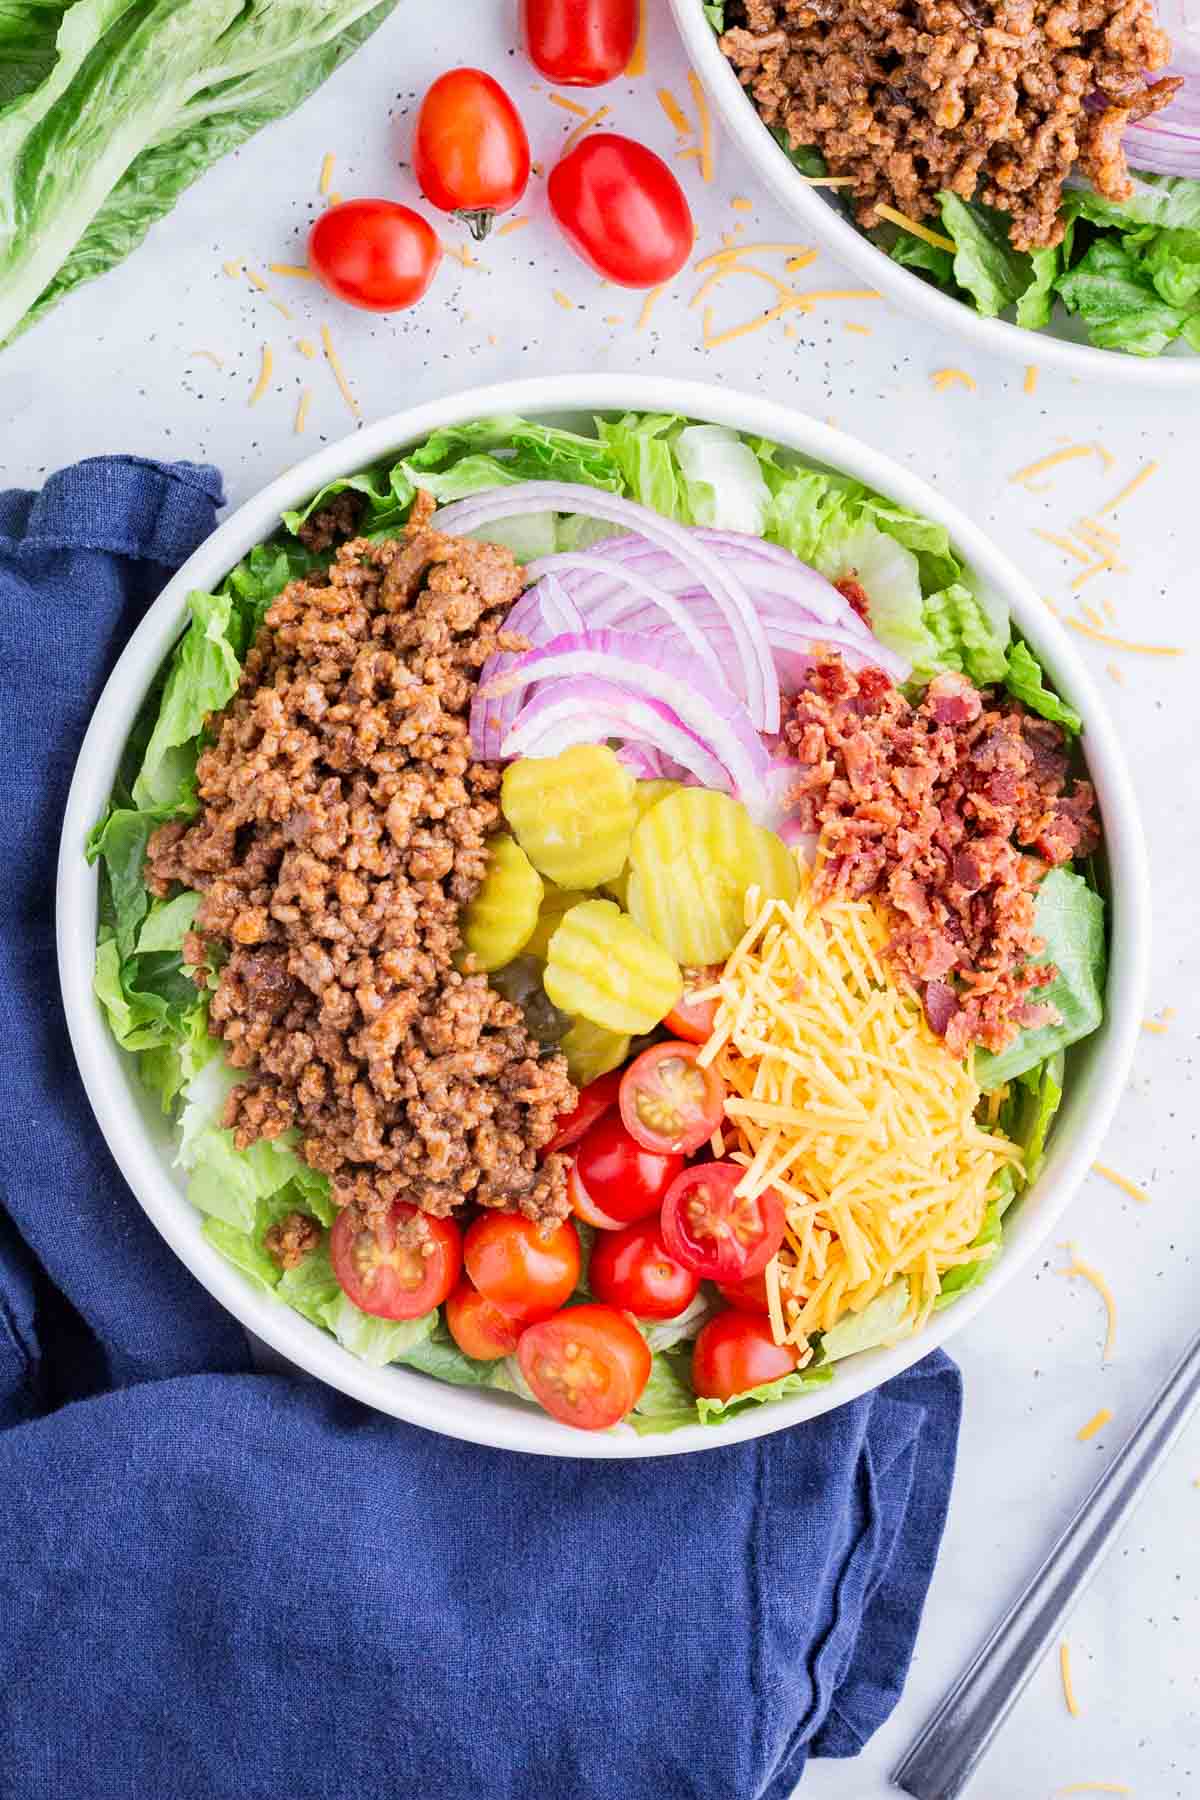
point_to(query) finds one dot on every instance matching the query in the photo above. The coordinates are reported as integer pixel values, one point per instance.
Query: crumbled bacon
(952, 811)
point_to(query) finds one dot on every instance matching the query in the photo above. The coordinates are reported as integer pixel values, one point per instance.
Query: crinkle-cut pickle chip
(591, 1051)
(602, 967)
(693, 857)
(555, 902)
(645, 795)
(500, 919)
(573, 814)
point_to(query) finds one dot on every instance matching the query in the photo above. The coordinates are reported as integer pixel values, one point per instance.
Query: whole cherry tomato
(748, 1295)
(668, 1102)
(723, 1235)
(632, 1269)
(524, 1273)
(736, 1352)
(374, 254)
(400, 1268)
(588, 1365)
(470, 153)
(614, 1180)
(579, 43)
(480, 1329)
(621, 209)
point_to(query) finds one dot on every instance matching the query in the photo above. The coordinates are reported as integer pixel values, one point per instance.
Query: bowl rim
(107, 1072)
(897, 283)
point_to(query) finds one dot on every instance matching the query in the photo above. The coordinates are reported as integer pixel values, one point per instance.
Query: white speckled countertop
(115, 369)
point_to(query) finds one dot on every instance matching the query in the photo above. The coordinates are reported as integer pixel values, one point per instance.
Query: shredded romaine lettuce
(1070, 917)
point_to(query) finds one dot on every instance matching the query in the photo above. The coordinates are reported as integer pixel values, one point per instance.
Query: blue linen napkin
(222, 1585)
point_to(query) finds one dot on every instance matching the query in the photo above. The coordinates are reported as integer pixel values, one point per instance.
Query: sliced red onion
(1168, 142)
(657, 672)
(706, 568)
(586, 710)
(796, 839)
(557, 607)
(627, 592)
(646, 763)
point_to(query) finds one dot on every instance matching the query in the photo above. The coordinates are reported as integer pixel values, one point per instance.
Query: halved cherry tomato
(668, 1102)
(594, 1099)
(588, 1365)
(526, 1275)
(583, 1206)
(399, 1269)
(721, 1234)
(694, 1019)
(621, 209)
(470, 152)
(619, 1179)
(579, 43)
(749, 1295)
(480, 1329)
(735, 1352)
(633, 1269)
(374, 254)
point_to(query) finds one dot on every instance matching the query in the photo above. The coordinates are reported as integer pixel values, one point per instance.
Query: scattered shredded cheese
(1090, 614)
(219, 363)
(563, 300)
(1068, 1686)
(687, 155)
(1091, 1787)
(674, 112)
(1031, 378)
(740, 203)
(1116, 643)
(511, 225)
(1088, 1273)
(264, 376)
(233, 269)
(648, 304)
(571, 106)
(1061, 543)
(1110, 611)
(1130, 487)
(827, 180)
(705, 118)
(584, 125)
(1054, 461)
(257, 281)
(335, 199)
(1096, 537)
(307, 348)
(859, 330)
(944, 378)
(281, 307)
(1152, 1025)
(805, 260)
(1098, 568)
(326, 181)
(722, 258)
(300, 270)
(302, 410)
(1123, 1182)
(339, 374)
(462, 254)
(1116, 674)
(613, 319)
(1095, 1424)
(918, 230)
(821, 1054)
(637, 62)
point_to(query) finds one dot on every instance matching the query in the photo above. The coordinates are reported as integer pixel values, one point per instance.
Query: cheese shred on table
(843, 1100)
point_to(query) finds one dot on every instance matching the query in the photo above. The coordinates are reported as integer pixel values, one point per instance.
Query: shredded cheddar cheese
(740, 203)
(1130, 487)
(918, 230)
(571, 106)
(1116, 643)
(1153, 1025)
(613, 319)
(944, 378)
(1098, 568)
(637, 62)
(858, 330)
(1031, 378)
(219, 363)
(841, 1098)
(302, 410)
(1055, 460)
(563, 300)
(257, 281)
(584, 125)
(462, 254)
(264, 376)
(1091, 1787)
(1123, 1182)
(301, 271)
(339, 374)
(674, 112)
(233, 270)
(280, 307)
(1096, 1423)
(1061, 543)
(705, 118)
(307, 348)
(1088, 1273)
(326, 181)
(1068, 1686)
(648, 304)
(511, 225)
(1115, 673)
(1090, 614)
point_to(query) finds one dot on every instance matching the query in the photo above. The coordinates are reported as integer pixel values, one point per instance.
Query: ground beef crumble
(291, 1239)
(342, 829)
(997, 100)
(951, 811)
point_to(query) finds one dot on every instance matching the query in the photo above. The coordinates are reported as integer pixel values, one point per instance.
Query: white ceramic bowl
(1053, 348)
(140, 1139)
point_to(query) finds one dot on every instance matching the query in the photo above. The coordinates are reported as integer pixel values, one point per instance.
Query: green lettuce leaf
(1116, 297)
(912, 252)
(203, 675)
(311, 1286)
(877, 1323)
(640, 446)
(960, 1280)
(168, 923)
(668, 1400)
(1172, 261)
(807, 157)
(438, 1355)
(802, 1381)
(985, 263)
(1029, 1111)
(722, 479)
(1163, 200)
(376, 1341)
(1025, 683)
(714, 12)
(1070, 917)
(891, 577)
(1036, 303)
(244, 1250)
(387, 494)
(962, 636)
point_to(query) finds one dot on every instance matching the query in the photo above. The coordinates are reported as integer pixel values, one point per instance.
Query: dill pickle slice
(645, 795)
(692, 859)
(573, 814)
(498, 922)
(591, 1051)
(605, 969)
(555, 902)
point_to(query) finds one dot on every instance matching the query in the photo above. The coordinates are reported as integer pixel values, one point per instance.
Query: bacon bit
(209, 356)
(307, 348)
(674, 112)
(705, 118)
(585, 125)
(1053, 461)
(648, 304)
(300, 271)
(740, 203)
(563, 300)
(1088, 1273)
(302, 410)
(493, 340)
(1130, 487)
(326, 180)
(339, 374)
(264, 376)
(511, 225)
(1031, 378)
(571, 106)
(945, 378)
(859, 330)
(1096, 1423)
(637, 62)
(1064, 1665)
(1123, 1182)
(1116, 643)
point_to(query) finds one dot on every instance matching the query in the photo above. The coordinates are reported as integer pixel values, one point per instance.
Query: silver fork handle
(943, 1758)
